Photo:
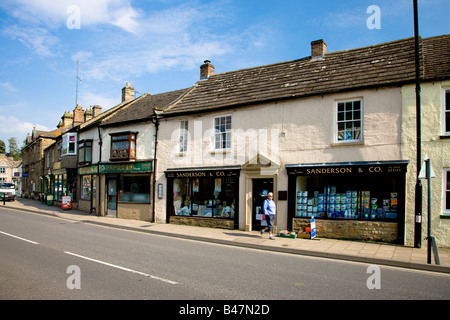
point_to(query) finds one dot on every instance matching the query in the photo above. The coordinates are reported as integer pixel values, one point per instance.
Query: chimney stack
(78, 115)
(66, 120)
(127, 93)
(97, 110)
(206, 70)
(318, 48)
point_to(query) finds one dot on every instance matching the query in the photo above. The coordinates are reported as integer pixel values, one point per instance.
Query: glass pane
(447, 100)
(81, 155)
(341, 116)
(447, 205)
(447, 121)
(341, 107)
(88, 157)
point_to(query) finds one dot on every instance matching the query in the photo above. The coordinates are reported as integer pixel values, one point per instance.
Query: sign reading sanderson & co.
(388, 167)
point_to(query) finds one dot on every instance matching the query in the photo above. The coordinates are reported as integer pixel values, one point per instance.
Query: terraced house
(326, 133)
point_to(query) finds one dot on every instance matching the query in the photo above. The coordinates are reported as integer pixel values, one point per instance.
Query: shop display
(351, 204)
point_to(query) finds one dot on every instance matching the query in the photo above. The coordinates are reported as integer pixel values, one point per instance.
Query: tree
(14, 150)
(2, 147)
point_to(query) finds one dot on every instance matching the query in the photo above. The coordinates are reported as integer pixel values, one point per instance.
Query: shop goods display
(287, 234)
(349, 205)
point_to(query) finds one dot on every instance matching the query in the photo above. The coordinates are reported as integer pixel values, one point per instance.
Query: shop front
(203, 197)
(88, 181)
(352, 200)
(128, 190)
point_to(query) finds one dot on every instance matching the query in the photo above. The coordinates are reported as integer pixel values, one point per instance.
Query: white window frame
(183, 137)
(219, 134)
(445, 90)
(446, 191)
(69, 141)
(338, 121)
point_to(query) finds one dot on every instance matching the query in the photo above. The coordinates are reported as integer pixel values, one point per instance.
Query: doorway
(260, 189)
(111, 197)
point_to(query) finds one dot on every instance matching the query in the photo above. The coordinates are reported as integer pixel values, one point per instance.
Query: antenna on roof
(78, 79)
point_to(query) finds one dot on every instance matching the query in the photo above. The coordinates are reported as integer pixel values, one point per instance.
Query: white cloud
(37, 39)
(12, 127)
(53, 13)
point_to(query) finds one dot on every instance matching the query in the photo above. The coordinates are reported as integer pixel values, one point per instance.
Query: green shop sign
(139, 167)
(88, 170)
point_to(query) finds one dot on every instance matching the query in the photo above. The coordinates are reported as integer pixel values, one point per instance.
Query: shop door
(261, 187)
(112, 197)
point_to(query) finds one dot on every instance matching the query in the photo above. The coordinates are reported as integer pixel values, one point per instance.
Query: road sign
(423, 170)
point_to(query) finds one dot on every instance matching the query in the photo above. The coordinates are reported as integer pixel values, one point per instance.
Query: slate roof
(386, 64)
(143, 107)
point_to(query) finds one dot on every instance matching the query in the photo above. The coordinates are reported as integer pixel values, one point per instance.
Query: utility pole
(419, 190)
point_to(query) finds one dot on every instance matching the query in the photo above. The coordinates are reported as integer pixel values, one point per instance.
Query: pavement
(373, 253)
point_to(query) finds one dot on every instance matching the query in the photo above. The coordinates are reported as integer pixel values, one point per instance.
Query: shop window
(86, 187)
(205, 197)
(85, 151)
(349, 120)
(134, 188)
(222, 132)
(184, 135)
(446, 191)
(123, 146)
(446, 112)
(347, 198)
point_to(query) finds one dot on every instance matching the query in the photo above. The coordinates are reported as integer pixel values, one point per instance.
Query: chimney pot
(206, 70)
(318, 48)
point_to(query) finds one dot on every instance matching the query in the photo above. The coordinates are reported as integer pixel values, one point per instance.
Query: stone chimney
(318, 48)
(88, 114)
(96, 110)
(78, 115)
(206, 70)
(66, 120)
(127, 93)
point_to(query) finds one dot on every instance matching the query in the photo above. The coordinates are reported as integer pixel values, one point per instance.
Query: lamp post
(418, 193)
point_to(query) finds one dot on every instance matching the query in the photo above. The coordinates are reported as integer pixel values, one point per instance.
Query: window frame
(183, 137)
(446, 191)
(131, 137)
(446, 111)
(220, 134)
(82, 144)
(344, 121)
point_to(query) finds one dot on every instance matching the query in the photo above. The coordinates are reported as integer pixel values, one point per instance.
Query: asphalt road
(43, 257)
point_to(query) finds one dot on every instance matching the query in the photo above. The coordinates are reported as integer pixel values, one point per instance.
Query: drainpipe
(156, 123)
(100, 143)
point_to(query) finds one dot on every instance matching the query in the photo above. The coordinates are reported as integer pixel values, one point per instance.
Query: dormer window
(123, 146)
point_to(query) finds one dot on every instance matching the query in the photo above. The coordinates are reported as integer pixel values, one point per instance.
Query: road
(44, 257)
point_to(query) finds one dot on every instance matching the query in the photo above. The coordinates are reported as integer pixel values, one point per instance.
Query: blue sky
(159, 45)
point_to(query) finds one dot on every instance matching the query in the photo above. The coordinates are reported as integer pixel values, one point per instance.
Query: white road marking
(23, 239)
(121, 268)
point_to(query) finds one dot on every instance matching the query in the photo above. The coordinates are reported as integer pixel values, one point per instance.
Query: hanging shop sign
(348, 168)
(138, 167)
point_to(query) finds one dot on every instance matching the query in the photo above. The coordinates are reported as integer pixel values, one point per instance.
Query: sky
(159, 45)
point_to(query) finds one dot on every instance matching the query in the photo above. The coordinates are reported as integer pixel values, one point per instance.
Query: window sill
(346, 144)
(444, 137)
(221, 151)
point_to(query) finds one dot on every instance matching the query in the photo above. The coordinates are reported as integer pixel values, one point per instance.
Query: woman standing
(269, 209)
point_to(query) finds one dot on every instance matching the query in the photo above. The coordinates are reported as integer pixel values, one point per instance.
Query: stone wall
(351, 229)
(203, 222)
